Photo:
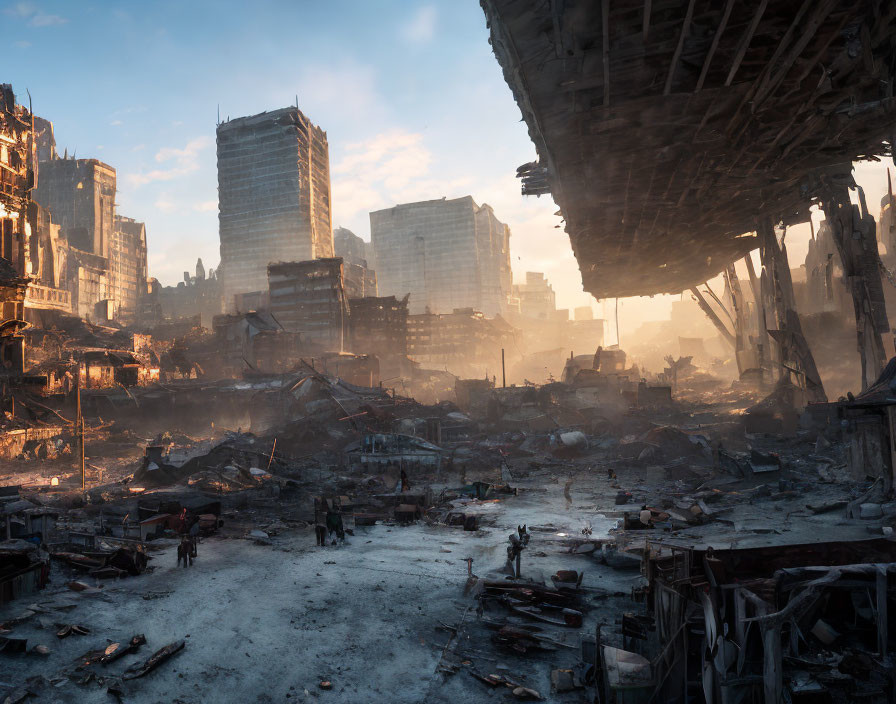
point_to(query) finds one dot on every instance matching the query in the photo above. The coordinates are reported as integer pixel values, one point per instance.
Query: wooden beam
(605, 28)
(715, 44)
(745, 42)
(558, 37)
(807, 33)
(714, 318)
(685, 30)
(645, 29)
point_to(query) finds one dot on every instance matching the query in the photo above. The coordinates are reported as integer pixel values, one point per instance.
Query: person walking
(320, 521)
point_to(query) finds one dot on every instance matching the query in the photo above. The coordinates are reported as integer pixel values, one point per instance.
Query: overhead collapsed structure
(666, 131)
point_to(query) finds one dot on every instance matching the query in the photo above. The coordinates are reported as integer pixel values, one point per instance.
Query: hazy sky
(410, 94)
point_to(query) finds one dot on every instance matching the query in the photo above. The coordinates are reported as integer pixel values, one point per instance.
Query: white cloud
(34, 15)
(347, 87)
(165, 204)
(183, 161)
(115, 123)
(390, 168)
(41, 19)
(422, 26)
(206, 206)
(21, 44)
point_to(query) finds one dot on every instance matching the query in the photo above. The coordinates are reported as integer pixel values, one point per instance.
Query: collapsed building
(672, 538)
(720, 179)
(16, 182)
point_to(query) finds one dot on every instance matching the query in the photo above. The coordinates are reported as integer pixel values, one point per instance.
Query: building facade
(127, 261)
(273, 196)
(464, 342)
(16, 178)
(352, 249)
(80, 195)
(309, 298)
(446, 254)
(379, 325)
(536, 296)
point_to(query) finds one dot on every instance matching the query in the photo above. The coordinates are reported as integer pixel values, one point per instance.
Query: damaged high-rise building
(273, 196)
(446, 254)
(357, 263)
(127, 259)
(105, 253)
(16, 178)
(80, 195)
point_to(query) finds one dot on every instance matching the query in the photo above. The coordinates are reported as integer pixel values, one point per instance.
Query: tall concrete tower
(273, 197)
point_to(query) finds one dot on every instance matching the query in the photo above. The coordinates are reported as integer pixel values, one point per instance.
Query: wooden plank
(745, 42)
(714, 318)
(808, 31)
(685, 30)
(715, 44)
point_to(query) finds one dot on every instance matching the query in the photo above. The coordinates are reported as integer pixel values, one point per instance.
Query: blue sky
(409, 92)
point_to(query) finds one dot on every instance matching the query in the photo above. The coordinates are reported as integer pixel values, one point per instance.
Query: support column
(714, 318)
(745, 351)
(853, 230)
(792, 354)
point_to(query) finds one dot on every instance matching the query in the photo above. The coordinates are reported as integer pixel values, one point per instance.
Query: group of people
(189, 539)
(328, 521)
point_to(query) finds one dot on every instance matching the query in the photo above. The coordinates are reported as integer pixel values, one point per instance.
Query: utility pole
(503, 373)
(79, 425)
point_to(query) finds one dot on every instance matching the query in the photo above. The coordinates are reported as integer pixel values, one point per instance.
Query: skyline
(399, 130)
(409, 93)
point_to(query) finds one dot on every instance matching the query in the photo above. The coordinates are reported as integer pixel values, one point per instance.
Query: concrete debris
(331, 432)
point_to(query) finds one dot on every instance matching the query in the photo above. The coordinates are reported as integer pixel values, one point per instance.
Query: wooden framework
(666, 130)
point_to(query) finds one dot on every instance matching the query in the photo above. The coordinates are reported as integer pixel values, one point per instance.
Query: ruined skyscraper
(308, 297)
(16, 177)
(127, 259)
(353, 249)
(80, 195)
(536, 296)
(357, 268)
(446, 253)
(273, 197)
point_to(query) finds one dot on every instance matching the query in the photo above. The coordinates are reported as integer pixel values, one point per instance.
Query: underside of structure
(666, 130)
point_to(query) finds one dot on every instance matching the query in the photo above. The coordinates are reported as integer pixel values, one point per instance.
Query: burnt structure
(464, 341)
(16, 181)
(309, 298)
(669, 134)
(446, 254)
(379, 325)
(273, 196)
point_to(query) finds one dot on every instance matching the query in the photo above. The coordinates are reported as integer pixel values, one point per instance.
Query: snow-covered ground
(268, 623)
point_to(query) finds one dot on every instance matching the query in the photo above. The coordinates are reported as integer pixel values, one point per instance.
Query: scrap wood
(153, 661)
(114, 651)
(72, 629)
